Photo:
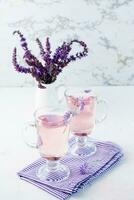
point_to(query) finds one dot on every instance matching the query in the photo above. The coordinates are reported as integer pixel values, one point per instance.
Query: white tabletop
(16, 107)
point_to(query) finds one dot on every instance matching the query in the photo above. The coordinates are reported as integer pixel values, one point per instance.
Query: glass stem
(52, 165)
(81, 140)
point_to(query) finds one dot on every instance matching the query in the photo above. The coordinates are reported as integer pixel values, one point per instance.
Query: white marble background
(107, 26)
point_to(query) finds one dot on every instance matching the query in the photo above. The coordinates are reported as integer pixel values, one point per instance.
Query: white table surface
(16, 107)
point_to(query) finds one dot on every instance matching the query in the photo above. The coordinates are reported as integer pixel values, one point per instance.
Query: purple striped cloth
(107, 155)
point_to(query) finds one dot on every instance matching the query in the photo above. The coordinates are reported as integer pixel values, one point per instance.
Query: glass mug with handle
(51, 127)
(83, 104)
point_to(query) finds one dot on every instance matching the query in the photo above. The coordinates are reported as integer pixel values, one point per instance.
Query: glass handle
(29, 135)
(104, 110)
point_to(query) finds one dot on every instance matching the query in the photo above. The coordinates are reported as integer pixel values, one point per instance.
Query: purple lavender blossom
(67, 116)
(82, 104)
(84, 168)
(42, 52)
(17, 66)
(47, 72)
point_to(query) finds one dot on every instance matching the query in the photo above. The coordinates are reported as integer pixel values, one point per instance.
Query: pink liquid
(83, 123)
(53, 136)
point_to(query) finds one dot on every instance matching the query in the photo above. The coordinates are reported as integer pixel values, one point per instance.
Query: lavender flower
(67, 116)
(42, 52)
(82, 104)
(84, 168)
(46, 72)
(17, 66)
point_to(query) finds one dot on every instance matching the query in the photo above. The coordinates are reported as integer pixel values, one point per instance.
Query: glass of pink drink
(52, 129)
(82, 103)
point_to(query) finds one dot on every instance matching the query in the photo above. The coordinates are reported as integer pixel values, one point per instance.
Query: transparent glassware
(83, 103)
(51, 128)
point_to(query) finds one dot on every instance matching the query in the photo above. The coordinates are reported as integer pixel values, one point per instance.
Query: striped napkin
(83, 170)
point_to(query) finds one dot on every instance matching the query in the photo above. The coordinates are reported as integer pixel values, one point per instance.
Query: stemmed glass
(83, 102)
(52, 129)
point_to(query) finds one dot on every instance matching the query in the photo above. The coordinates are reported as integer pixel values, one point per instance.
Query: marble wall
(107, 26)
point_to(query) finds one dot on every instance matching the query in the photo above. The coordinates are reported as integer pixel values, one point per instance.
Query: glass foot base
(81, 148)
(54, 173)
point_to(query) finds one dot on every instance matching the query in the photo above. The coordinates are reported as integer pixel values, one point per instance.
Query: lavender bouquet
(47, 71)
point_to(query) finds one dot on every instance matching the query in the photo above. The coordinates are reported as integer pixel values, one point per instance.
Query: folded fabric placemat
(83, 170)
